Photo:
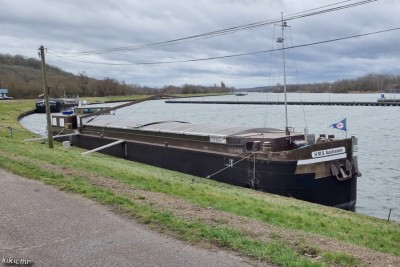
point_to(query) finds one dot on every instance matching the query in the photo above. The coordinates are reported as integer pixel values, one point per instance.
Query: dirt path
(308, 244)
(43, 225)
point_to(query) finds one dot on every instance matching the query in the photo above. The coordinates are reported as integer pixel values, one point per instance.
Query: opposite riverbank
(260, 226)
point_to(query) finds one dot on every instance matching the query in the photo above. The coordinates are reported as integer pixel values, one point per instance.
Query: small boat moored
(241, 93)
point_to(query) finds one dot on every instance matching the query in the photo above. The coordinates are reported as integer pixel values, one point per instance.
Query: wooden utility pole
(46, 97)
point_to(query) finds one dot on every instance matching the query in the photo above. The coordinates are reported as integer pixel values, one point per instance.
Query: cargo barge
(321, 170)
(56, 105)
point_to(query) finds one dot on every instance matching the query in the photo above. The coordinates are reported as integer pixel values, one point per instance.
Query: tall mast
(282, 40)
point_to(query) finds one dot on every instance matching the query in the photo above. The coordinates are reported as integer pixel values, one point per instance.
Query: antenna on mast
(282, 41)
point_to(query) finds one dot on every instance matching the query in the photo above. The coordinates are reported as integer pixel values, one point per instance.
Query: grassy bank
(260, 226)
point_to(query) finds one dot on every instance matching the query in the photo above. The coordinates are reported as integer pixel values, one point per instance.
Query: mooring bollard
(66, 144)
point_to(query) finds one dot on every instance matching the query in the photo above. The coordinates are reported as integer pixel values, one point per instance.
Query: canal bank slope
(267, 228)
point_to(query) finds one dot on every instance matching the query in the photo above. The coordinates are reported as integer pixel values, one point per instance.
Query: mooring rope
(230, 165)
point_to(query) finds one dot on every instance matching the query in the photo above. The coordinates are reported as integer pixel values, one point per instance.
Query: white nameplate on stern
(325, 155)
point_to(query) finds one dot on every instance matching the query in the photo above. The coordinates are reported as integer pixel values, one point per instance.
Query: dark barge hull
(277, 177)
(55, 107)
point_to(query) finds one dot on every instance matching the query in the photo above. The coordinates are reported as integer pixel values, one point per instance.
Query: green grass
(374, 233)
(193, 231)
(340, 259)
(288, 213)
(27, 159)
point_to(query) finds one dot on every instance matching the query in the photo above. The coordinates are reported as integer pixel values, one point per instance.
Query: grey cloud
(95, 25)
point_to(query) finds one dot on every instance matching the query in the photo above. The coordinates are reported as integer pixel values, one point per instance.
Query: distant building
(4, 94)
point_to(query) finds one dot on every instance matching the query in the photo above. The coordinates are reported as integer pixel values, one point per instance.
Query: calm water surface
(377, 130)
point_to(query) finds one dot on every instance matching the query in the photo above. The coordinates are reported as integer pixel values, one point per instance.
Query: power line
(232, 55)
(212, 34)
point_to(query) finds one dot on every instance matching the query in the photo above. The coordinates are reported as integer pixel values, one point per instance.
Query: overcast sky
(67, 28)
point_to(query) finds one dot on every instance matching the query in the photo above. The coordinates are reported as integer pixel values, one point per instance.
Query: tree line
(22, 77)
(365, 84)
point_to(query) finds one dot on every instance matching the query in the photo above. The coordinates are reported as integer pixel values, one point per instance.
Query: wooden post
(46, 97)
(390, 212)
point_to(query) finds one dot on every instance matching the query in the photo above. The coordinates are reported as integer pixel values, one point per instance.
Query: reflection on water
(375, 127)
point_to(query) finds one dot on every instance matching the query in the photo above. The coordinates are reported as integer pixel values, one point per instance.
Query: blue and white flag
(341, 125)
